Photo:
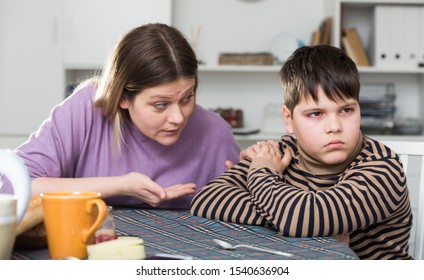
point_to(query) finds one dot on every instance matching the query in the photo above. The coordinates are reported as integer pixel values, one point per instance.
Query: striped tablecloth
(179, 233)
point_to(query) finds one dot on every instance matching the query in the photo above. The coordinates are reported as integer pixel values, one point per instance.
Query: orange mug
(71, 220)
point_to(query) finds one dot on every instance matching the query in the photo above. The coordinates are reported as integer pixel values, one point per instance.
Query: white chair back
(412, 157)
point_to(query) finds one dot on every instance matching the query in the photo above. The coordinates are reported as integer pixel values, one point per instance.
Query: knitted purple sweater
(76, 141)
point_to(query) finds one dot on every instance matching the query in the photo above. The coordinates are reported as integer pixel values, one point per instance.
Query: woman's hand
(271, 151)
(251, 152)
(142, 187)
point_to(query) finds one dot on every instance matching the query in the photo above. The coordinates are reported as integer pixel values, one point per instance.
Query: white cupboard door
(30, 69)
(93, 27)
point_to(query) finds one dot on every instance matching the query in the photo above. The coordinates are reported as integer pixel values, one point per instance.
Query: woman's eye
(160, 105)
(187, 98)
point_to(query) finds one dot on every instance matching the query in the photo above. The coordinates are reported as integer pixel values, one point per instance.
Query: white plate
(283, 45)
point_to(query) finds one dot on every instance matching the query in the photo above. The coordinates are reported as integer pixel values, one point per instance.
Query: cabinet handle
(55, 31)
(69, 26)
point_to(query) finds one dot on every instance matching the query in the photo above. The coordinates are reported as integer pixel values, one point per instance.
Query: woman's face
(161, 112)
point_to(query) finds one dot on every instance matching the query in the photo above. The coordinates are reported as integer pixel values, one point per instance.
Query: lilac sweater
(76, 141)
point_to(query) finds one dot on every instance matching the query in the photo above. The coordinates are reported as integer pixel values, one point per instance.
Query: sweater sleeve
(226, 198)
(371, 192)
(54, 148)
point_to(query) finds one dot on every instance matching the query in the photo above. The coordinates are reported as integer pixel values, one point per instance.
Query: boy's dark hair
(323, 65)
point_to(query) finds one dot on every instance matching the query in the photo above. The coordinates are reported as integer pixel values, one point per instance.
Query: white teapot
(12, 206)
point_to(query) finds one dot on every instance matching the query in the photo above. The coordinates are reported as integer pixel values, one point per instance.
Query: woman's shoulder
(78, 106)
(85, 91)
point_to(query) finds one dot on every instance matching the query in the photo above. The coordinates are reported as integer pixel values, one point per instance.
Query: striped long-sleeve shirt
(369, 200)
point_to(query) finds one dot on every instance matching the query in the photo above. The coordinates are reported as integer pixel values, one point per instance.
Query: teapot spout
(13, 167)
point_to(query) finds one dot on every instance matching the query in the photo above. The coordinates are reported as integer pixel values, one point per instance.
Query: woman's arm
(132, 184)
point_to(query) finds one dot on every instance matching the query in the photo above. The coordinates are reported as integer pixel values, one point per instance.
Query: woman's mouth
(170, 132)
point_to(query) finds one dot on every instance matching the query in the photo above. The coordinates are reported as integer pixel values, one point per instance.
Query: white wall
(244, 26)
(249, 26)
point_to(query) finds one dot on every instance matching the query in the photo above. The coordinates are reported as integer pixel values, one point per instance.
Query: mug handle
(101, 216)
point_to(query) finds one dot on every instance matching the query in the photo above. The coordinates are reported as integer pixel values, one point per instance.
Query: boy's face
(328, 131)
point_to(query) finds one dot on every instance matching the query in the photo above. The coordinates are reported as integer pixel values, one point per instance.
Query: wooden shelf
(263, 136)
(276, 69)
(397, 70)
(240, 68)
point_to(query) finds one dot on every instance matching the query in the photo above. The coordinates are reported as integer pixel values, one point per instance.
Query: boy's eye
(347, 110)
(314, 114)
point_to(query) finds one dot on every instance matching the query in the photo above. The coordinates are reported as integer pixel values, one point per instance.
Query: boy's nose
(333, 125)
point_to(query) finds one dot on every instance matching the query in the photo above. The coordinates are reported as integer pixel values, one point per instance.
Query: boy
(328, 179)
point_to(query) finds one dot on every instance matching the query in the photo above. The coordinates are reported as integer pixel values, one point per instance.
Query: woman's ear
(123, 103)
(287, 116)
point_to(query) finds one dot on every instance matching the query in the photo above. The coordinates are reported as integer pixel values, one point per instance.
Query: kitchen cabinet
(92, 28)
(31, 78)
(45, 43)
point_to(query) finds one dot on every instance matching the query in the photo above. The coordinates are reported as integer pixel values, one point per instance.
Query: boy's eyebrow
(351, 103)
(347, 104)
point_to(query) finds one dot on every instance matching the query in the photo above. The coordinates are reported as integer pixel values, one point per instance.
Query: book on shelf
(325, 30)
(316, 38)
(347, 46)
(323, 34)
(351, 39)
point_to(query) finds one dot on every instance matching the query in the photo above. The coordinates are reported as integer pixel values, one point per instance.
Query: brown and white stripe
(369, 200)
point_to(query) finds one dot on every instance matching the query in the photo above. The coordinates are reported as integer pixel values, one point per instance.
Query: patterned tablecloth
(179, 233)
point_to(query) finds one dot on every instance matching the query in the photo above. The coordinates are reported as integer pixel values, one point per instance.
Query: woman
(135, 134)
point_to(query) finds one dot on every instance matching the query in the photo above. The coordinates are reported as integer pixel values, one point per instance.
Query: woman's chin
(167, 141)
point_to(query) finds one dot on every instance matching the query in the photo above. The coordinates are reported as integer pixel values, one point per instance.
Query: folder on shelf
(412, 36)
(421, 37)
(397, 35)
(382, 44)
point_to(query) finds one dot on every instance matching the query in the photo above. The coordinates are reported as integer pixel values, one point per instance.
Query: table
(179, 233)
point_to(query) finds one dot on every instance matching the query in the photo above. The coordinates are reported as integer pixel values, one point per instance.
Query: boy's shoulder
(375, 150)
(288, 142)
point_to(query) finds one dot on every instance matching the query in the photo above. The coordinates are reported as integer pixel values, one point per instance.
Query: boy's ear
(287, 116)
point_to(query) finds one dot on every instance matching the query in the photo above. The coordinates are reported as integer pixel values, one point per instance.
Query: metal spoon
(227, 246)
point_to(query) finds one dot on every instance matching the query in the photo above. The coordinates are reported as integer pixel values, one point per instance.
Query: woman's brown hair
(145, 57)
